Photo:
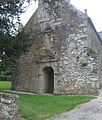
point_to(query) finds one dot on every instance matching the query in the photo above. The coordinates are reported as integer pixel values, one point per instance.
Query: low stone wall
(8, 107)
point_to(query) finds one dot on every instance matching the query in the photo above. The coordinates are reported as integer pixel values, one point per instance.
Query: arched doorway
(48, 79)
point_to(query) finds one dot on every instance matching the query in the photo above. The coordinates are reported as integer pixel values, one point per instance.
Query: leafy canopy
(11, 44)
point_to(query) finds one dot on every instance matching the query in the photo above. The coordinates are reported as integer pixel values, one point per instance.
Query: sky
(94, 8)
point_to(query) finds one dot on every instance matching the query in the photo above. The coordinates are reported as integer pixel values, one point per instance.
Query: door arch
(48, 79)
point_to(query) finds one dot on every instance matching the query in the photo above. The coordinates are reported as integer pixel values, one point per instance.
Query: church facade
(66, 54)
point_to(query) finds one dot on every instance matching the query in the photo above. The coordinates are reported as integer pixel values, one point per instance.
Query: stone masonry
(8, 107)
(66, 54)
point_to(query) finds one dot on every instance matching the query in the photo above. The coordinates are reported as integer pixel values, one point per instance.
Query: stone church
(66, 54)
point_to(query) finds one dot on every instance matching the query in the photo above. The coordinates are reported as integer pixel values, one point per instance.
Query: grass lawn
(38, 107)
(5, 85)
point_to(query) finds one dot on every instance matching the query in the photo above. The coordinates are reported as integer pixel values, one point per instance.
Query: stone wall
(79, 63)
(69, 45)
(8, 107)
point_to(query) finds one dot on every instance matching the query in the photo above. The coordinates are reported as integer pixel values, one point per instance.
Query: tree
(11, 45)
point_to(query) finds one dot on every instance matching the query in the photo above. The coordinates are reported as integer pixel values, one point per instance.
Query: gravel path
(88, 111)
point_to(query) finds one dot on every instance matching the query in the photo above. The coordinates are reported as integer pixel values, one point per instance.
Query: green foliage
(10, 11)
(11, 46)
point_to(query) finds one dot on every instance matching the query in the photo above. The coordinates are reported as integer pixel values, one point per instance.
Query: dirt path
(88, 111)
